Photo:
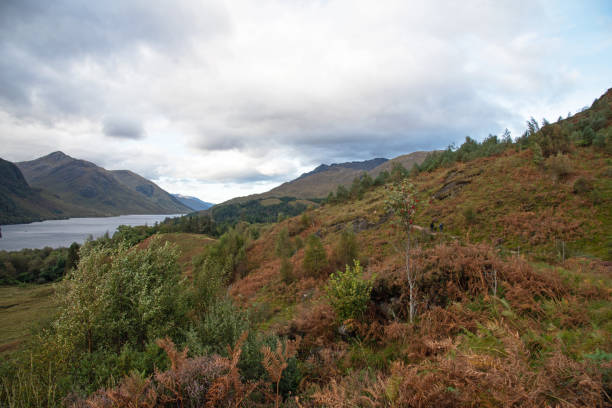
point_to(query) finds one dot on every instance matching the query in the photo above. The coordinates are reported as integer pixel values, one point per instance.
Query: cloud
(123, 128)
(238, 95)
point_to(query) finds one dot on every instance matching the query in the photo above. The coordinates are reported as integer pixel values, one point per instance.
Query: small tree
(283, 248)
(346, 249)
(538, 157)
(348, 292)
(315, 258)
(286, 271)
(401, 200)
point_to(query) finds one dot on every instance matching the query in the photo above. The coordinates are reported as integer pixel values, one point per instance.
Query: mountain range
(193, 202)
(324, 179)
(59, 186)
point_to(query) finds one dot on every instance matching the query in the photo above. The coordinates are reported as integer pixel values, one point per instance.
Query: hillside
(193, 202)
(406, 161)
(101, 192)
(506, 302)
(324, 179)
(21, 203)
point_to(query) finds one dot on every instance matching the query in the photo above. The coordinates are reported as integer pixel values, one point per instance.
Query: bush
(538, 157)
(559, 165)
(283, 247)
(348, 292)
(346, 249)
(582, 185)
(286, 271)
(470, 215)
(121, 296)
(315, 257)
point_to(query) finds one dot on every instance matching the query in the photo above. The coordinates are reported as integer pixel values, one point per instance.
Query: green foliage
(286, 271)
(208, 281)
(402, 201)
(283, 247)
(35, 265)
(538, 157)
(348, 292)
(120, 296)
(315, 257)
(382, 178)
(220, 325)
(298, 242)
(398, 172)
(582, 186)
(346, 248)
(254, 211)
(230, 250)
(468, 151)
(469, 215)
(305, 221)
(559, 166)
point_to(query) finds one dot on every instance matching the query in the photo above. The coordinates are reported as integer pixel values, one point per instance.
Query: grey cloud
(123, 128)
(41, 41)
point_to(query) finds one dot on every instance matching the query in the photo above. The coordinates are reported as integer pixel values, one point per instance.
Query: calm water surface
(62, 233)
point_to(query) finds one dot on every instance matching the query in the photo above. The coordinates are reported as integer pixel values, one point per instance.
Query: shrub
(348, 292)
(286, 271)
(305, 221)
(538, 157)
(346, 248)
(121, 296)
(298, 243)
(283, 247)
(315, 257)
(582, 185)
(470, 215)
(559, 165)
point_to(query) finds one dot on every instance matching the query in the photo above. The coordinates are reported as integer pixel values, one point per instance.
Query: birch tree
(402, 201)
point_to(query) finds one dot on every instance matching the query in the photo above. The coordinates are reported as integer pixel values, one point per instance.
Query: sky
(219, 99)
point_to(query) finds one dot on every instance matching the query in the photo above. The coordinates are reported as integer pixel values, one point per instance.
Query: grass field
(21, 308)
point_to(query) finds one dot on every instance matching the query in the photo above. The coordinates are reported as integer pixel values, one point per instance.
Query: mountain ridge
(193, 202)
(70, 187)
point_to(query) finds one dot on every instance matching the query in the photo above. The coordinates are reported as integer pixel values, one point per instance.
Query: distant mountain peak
(56, 155)
(193, 202)
(365, 165)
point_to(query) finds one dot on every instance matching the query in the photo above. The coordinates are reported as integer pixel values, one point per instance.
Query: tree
(348, 292)
(538, 157)
(286, 271)
(346, 249)
(402, 201)
(121, 296)
(315, 257)
(73, 256)
(283, 248)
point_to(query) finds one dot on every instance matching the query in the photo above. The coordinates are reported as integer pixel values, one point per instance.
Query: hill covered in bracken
(509, 276)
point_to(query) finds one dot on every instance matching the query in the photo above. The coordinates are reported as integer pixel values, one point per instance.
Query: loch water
(62, 233)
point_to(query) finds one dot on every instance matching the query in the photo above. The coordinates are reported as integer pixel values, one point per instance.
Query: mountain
(406, 160)
(21, 203)
(94, 191)
(193, 202)
(324, 179)
(360, 166)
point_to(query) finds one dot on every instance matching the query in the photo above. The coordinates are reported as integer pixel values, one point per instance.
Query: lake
(62, 233)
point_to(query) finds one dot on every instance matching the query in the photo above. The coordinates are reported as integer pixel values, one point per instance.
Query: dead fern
(229, 387)
(276, 361)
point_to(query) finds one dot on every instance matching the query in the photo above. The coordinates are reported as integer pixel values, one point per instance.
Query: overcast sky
(224, 98)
